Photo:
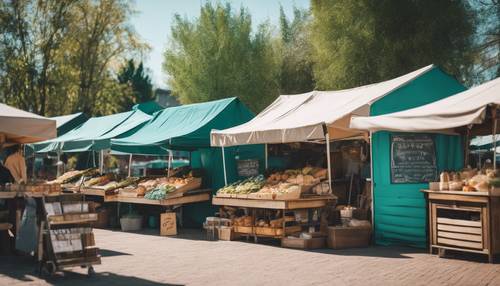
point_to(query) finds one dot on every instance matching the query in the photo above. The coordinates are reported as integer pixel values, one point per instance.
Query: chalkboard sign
(413, 159)
(248, 168)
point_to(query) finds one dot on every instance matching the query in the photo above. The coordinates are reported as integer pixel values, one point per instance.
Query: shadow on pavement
(373, 251)
(24, 269)
(110, 253)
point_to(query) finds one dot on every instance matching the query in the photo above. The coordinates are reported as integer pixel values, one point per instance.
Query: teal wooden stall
(399, 209)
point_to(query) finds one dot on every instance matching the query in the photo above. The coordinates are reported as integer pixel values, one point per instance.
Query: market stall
(20, 127)
(462, 206)
(324, 116)
(188, 128)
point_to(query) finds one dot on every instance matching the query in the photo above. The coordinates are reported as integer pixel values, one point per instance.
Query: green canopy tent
(95, 134)
(188, 128)
(66, 123)
(149, 107)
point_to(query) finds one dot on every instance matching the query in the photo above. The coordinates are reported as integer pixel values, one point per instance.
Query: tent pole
(372, 184)
(224, 165)
(169, 162)
(129, 164)
(328, 160)
(494, 117)
(266, 157)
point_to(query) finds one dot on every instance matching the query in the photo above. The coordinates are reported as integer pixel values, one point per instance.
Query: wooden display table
(309, 203)
(464, 221)
(8, 195)
(178, 200)
(304, 203)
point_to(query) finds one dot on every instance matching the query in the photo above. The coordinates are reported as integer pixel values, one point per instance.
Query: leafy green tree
(488, 39)
(56, 56)
(295, 49)
(216, 55)
(138, 81)
(365, 41)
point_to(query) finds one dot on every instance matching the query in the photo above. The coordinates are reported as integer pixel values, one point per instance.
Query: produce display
(99, 181)
(288, 184)
(247, 186)
(160, 192)
(468, 180)
(159, 188)
(74, 175)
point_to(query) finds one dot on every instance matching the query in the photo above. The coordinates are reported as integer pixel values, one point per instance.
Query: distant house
(165, 98)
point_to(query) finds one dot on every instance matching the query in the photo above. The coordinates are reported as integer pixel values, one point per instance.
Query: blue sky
(154, 18)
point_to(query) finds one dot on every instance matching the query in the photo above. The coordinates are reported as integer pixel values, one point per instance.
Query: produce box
(243, 229)
(340, 237)
(301, 243)
(168, 224)
(270, 231)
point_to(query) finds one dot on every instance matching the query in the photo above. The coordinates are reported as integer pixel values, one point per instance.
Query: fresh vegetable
(160, 192)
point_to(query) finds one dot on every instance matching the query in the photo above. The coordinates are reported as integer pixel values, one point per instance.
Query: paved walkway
(147, 259)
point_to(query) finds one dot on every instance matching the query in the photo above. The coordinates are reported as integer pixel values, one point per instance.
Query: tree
(488, 39)
(216, 56)
(56, 56)
(138, 81)
(361, 42)
(294, 45)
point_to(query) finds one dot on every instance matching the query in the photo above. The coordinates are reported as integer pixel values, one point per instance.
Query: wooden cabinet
(462, 221)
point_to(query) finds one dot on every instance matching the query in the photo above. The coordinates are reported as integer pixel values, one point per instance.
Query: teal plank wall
(399, 209)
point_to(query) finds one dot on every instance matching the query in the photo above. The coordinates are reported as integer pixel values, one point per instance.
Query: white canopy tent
(312, 116)
(461, 109)
(18, 126)
(304, 117)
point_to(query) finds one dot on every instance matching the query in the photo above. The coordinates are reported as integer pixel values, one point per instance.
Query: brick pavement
(147, 259)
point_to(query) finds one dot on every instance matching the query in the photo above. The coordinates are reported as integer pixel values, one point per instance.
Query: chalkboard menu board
(413, 159)
(248, 168)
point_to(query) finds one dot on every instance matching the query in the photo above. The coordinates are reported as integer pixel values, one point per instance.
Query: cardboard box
(168, 224)
(301, 243)
(348, 237)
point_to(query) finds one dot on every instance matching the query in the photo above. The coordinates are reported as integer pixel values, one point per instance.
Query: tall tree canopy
(295, 53)
(488, 39)
(216, 55)
(140, 83)
(365, 41)
(57, 56)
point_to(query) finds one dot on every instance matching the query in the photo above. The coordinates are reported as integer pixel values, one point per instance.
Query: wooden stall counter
(464, 221)
(302, 203)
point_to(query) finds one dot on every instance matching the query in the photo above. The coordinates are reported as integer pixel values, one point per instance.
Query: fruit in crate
(247, 186)
(160, 192)
(99, 181)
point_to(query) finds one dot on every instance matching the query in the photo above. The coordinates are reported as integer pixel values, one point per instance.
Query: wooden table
(310, 203)
(305, 203)
(464, 221)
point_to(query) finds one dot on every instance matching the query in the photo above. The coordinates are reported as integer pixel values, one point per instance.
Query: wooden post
(494, 118)
(328, 160)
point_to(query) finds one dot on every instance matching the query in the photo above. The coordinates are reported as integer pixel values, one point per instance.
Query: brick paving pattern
(148, 259)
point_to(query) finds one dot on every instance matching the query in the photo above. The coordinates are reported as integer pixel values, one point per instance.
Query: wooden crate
(268, 231)
(192, 185)
(300, 243)
(168, 224)
(348, 237)
(243, 229)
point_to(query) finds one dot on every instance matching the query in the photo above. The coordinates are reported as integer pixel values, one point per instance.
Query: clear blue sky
(154, 18)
